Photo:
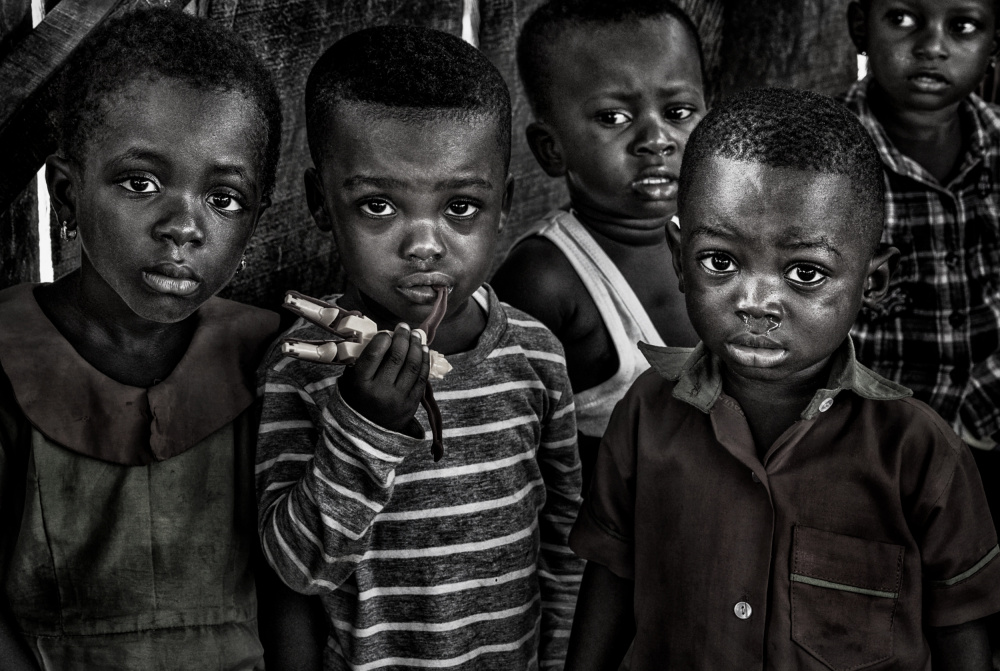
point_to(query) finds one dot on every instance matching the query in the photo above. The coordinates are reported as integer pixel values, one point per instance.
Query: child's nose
(931, 42)
(183, 224)
(423, 242)
(759, 300)
(654, 137)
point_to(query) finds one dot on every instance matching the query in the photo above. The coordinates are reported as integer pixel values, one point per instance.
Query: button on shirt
(938, 329)
(868, 521)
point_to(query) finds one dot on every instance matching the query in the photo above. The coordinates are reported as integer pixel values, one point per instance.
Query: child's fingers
(367, 365)
(395, 356)
(417, 360)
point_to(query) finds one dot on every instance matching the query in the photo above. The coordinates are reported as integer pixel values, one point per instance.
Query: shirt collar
(984, 137)
(698, 374)
(83, 410)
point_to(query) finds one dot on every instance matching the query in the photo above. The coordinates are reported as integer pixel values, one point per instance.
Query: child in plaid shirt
(938, 331)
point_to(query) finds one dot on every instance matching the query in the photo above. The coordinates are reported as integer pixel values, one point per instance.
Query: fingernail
(426, 349)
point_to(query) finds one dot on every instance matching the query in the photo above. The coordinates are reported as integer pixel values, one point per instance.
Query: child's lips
(656, 187)
(928, 82)
(169, 278)
(756, 351)
(420, 288)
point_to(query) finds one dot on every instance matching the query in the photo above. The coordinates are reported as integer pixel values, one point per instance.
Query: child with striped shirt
(457, 563)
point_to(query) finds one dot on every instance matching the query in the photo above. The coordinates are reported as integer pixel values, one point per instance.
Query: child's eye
(461, 210)
(806, 275)
(902, 19)
(225, 202)
(613, 118)
(138, 185)
(718, 263)
(679, 113)
(378, 208)
(964, 26)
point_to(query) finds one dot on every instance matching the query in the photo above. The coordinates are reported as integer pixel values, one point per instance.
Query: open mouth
(656, 187)
(929, 81)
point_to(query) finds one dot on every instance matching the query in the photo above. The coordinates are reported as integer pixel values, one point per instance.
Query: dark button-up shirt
(864, 522)
(938, 329)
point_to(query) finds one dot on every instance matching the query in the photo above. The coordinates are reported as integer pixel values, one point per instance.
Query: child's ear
(857, 26)
(674, 242)
(880, 269)
(61, 177)
(546, 148)
(508, 198)
(265, 202)
(316, 201)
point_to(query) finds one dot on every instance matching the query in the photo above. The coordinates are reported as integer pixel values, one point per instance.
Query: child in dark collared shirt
(764, 501)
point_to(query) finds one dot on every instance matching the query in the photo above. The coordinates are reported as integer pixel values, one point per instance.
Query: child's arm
(559, 569)
(603, 626)
(324, 473)
(963, 647)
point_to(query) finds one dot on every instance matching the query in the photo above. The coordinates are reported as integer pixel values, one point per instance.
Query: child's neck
(110, 337)
(622, 231)
(771, 407)
(932, 138)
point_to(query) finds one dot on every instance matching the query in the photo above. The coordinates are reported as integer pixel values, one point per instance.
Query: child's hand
(387, 382)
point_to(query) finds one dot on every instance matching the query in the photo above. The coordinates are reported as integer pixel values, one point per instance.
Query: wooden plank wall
(747, 43)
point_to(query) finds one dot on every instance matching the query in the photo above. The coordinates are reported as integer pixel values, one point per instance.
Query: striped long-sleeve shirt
(462, 563)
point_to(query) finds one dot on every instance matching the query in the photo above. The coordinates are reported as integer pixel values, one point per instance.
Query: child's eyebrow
(358, 181)
(680, 88)
(816, 243)
(793, 240)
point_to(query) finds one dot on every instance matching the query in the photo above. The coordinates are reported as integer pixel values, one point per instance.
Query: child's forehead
(750, 200)
(630, 38)
(372, 133)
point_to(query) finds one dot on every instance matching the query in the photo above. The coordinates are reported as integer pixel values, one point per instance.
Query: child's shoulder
(537, 276)
(248, 328)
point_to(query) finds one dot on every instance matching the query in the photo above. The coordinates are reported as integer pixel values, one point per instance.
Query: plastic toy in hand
(354, 329)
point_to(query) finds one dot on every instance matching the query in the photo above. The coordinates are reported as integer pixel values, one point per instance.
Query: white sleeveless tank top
(624, 317)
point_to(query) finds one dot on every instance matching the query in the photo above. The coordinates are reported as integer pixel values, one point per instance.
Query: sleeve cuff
(592, 541)
(969, 596)
(366, 435)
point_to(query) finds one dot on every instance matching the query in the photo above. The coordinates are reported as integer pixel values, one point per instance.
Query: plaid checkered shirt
(938, 329)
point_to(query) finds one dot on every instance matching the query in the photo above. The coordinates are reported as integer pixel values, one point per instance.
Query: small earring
(67, 233)
(243, 264)
(863, 53)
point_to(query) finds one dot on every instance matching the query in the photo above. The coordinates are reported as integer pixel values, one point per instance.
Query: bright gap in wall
(470, 22)
(45, 270)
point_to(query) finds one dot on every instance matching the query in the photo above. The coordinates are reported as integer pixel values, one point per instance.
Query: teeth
(655, 180)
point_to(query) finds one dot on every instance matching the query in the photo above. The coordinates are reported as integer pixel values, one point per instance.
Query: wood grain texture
(791, 43)
(535, 193)
(19, 239)
(288, 251)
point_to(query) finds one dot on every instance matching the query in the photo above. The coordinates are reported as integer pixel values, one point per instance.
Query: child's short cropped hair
(417, 74)
(167, 43)
(789, 128)
(535, 45)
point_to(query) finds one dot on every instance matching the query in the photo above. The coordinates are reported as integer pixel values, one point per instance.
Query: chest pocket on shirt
(843, 596)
